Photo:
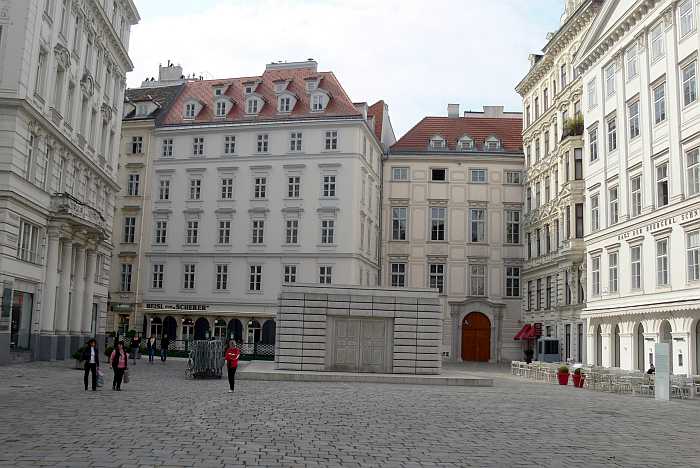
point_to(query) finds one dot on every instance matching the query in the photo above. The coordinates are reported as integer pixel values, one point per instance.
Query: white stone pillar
(605, 359)
(590, 343)
(650, 339)
(48, 305)
(627, 356)
(64, 290)
(89, 291)
(680, 353)
(76, 313)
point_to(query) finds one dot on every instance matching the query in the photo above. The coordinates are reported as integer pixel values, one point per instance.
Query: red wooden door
(476, 337)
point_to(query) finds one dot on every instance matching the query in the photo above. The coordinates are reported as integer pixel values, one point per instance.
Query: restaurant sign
(683, 217)
(177, 306)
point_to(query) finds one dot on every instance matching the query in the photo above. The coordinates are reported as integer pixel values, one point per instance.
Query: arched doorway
(170, 328)
(220, 329)
(616, 347)
(235, 330)
(665, 337)
(641, 365)
(156, 326)
(476, 337)
(254, 331)
(598, 346)
(201, 329)
(187, 329)
(268, 332)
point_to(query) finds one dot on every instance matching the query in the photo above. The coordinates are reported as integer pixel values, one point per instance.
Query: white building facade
(452, 207)
(639, 72)
(258, 182)
(61, 86)
(553, 275)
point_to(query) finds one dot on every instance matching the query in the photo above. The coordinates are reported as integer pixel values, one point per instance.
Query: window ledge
(258, 246)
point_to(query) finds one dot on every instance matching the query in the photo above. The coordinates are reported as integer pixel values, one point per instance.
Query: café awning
(521, 335)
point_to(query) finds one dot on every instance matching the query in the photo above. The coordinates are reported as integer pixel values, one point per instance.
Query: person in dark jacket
(91, 358)
(151, 347)
(120, 363)
(164, 343)
(135, 345)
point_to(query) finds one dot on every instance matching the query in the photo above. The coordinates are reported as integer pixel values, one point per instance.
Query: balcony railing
(66, 204)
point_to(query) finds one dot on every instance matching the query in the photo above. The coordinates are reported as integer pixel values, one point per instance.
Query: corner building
(639, 70)
(553, 275)
(257, 182)
(452, 206)
(61, 87)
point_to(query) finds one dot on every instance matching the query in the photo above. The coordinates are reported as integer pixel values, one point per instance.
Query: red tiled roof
(508, 130)
(376, 110)
(340, 104)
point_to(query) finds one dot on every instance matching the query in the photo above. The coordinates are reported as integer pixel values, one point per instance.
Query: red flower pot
(578, 380)
(563, 378)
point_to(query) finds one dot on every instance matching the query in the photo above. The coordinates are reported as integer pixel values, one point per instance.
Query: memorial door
(360, 345)
(476, 338)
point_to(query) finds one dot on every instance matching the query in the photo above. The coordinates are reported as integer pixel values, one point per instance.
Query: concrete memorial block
(350, 328)
(662, 377)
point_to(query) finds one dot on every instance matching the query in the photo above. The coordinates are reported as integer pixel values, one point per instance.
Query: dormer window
(285, 104)
(317, 102)
(438, 142)
(248, 89)
(218, 91)
(190, 110)
(221, 109)
(465, 143)
(141, 109)
(252, 106)
(492, 144)
(311, 85)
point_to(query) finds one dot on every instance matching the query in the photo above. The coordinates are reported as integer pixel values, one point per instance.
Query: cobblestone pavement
(161, 419)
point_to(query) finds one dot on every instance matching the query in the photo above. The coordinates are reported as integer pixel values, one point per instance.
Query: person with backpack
(164, 343)
(231, 357)
(91, 358)
(119, 360)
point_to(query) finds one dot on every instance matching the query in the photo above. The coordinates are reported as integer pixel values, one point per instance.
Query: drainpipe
(146, 190)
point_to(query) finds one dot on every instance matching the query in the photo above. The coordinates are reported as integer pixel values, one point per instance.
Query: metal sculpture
(206, 359)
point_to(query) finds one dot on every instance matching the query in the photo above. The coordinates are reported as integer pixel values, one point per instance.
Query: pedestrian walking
(164, 343)
(151, 348)
(91, 358)
(232, 355)
(135, 345)
(119, 360)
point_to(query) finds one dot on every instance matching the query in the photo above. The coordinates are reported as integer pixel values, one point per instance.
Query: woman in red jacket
(232, 355)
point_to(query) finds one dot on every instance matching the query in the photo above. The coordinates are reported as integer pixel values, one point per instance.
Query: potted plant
(563, 375)
(578, 378)
(78, 356)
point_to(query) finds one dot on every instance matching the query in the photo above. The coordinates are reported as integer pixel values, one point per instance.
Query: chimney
(493, 111)
(453, 110)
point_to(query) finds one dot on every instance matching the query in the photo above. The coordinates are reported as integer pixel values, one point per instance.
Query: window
(136, 145)
(192, 233)
(284, 104)
(662, 262)
(399, 220)
(530, 295)
(438, 219)
(466, 144)
(578, 162)
(537, 150)
(317, 102)
(325, 274)
(492, 144)
(512, 281)
(662, 185)
(632, 62)
(478, 224)
(538, 244)
(196, 189)
(612, 272)
(292, 231)
(164, 189)
(129, 230)
(329, 186)
(477, 275)
(290, 274)
(262, 146)
(633, 111)
(260, 187)
(595, 218)
(293, 186)
(693, 171)
(593, 143)
(610, 79)
(660, 103)
(189, 110)
(127, 269)
(657, 41)
(478, 176)
(538, 297)
(545, 98)
(227, 188)
(327, 231)
(258, 231)
(537, 107)
(41, 72)
(513, 177)
(612, 134)
(28, 242)
(557, 239)
(567, 288)
(221, 108)
(595, 274)
(436, 278)
(547, 183)
(694, 256)
(252, 106)
(399, 173)
(189, 276)
(548, 294)
(592, 98)
(690, 85)
(562, 76)
(636, 195)
(636, 264)
(538, 198)
(614, 211)
(167, 148)
(221, 277)
(512, 226)
(132, 185)
(529, 245)
(438, 175)
(529, 199)
(229, 144)
(158, 274)
(161, 232)
(198, 146)
(687, 15)
(579, 220)
(331, 140)
(295, 141)
(224, 231)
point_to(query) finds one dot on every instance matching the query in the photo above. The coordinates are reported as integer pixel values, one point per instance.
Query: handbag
(100, 377)
(126, 376)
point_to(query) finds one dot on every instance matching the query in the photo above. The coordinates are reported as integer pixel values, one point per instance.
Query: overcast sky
(417, 55)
